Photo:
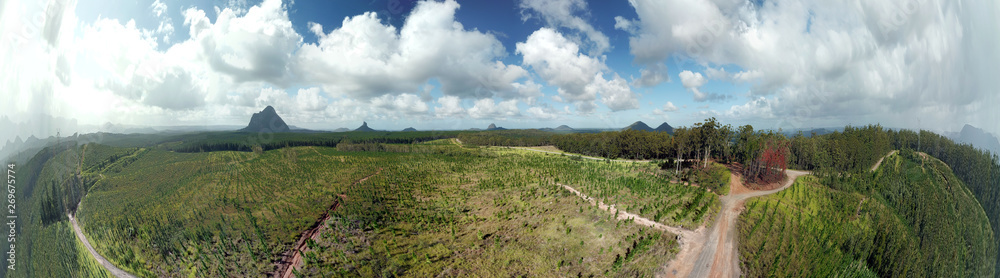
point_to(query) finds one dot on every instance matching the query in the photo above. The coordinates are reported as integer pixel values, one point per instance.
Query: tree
(711, 137)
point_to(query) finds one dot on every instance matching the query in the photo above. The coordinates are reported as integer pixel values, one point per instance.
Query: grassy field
(905, 220)
(424, 209)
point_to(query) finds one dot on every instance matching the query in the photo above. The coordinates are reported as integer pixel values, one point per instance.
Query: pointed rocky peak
(364, 127)
(979, 138)
(266, 120)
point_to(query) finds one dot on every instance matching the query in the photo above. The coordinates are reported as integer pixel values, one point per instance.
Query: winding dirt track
(879, 163)
(701, 254)
(624, 215)
(719, 256)
(286, 268)
(117, 272)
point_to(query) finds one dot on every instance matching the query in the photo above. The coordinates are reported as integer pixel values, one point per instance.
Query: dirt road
(567, 154)
(719, 257)
(286, 268)
(875, 167)
(624, 215)
(117, 272)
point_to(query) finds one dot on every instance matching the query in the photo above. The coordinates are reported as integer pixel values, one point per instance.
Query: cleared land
(434, 209)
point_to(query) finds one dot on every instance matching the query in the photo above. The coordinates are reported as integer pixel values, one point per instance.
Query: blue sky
(519, 64)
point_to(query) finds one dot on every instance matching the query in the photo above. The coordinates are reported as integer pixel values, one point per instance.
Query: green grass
(426, 209)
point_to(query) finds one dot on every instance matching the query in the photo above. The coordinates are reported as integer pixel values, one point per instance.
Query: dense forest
(252, 141)
(911, 217)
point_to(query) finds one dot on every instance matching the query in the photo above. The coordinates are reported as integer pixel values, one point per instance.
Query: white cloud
(407, 104)
(136, 71)
(451, 107)
(616, 94)
(738, 77)
(560, 13)
(652, 75)
(560, 62)
(529, 91)
(311, 99)
(166, 25)
(366, 58)
(692, 80)
(543, 113)
(621, 23)
(197, 22)
(667, 107)
(878, 60)
(257, 46)
(488, 109)
(578, 76)
(667, 26)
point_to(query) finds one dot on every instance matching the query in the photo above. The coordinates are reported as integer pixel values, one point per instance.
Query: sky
(459, 64)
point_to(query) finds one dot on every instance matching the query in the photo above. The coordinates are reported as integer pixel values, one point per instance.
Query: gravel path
(286, 267)
(117, 272)
(875, 167)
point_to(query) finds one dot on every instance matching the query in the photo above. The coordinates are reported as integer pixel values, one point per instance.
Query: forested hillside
(910, 218)
(48, 187)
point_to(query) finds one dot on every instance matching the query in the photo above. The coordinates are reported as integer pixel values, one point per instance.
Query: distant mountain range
(978, 138)
(409, 129)
(266, 120)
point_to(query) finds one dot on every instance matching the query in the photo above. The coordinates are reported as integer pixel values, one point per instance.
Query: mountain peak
(563, 128)
(978, 138)
(266, 120)
(638, 125)
(494, 127)
(364, 127)
(665, 127)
